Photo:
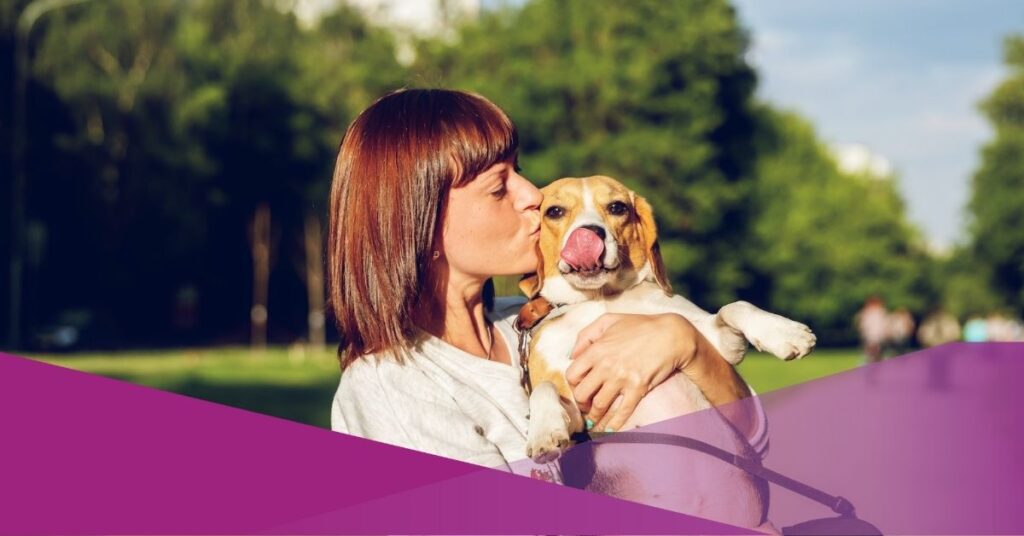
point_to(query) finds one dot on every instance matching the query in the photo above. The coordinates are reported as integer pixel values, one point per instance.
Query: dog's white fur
(628, 287)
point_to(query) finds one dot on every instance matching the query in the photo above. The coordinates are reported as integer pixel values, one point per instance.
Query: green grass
(299, 385)
(768, 373)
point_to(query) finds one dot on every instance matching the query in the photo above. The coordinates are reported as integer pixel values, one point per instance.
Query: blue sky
(902, 77)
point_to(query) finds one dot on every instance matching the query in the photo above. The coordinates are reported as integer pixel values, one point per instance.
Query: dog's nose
(597, 229)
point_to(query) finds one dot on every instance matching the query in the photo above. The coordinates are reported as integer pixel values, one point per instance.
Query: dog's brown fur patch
(541, 372)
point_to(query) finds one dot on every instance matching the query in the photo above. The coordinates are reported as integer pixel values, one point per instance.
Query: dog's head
(597, 238)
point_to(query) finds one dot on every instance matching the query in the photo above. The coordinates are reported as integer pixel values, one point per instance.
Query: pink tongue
(583, 249)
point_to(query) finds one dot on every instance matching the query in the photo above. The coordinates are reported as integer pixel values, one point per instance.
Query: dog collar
(532, 314)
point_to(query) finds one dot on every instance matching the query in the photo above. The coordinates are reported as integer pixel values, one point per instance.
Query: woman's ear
(649, 237)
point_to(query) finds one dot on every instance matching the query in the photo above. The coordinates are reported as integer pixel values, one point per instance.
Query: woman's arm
(601, 373)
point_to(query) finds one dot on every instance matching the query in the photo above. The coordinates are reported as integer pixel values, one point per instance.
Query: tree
(996, 207)
(112, 65)
(823, 240)
(182, 119)
(966, 284)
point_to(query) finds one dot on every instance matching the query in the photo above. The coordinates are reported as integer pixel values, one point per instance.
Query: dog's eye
(554, 213)
(617, 208)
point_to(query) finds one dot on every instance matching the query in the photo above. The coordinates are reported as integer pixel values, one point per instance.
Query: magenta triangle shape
(84, 454)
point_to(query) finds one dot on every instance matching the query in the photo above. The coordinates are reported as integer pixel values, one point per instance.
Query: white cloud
(856, 158)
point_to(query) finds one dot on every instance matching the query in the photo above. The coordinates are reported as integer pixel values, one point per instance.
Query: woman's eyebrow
(500, 174)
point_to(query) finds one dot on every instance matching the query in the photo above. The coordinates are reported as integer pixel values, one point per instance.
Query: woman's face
(492, 224)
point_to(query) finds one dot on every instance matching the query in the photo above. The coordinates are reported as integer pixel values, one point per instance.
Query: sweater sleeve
(404, 408)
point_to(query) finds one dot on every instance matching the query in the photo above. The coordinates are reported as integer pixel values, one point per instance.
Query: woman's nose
(530, 197)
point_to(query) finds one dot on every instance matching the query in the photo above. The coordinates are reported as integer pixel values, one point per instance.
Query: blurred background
(166, 166)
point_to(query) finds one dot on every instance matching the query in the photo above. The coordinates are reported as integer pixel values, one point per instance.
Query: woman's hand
(609, 375)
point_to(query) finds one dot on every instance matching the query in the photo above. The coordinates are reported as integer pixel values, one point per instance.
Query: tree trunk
(260, 241)
(315, 282)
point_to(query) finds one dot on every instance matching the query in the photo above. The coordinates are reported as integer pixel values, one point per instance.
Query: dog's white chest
(556, 340)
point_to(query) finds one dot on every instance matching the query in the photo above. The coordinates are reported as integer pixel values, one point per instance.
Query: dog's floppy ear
(649, 237)
(531, 284)
(536, 307)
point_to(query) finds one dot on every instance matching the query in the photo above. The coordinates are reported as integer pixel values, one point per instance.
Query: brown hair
(396, 164)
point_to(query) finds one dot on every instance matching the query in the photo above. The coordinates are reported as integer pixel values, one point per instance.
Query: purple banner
(83, 454)
(926, 443)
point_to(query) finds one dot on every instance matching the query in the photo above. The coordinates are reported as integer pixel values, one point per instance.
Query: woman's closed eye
(501, 188)
(500, 192)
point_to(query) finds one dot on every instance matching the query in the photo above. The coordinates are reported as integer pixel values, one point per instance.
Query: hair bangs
(482, 135)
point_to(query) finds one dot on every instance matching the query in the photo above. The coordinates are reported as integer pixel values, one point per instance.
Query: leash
(523, 334)
(837, 504)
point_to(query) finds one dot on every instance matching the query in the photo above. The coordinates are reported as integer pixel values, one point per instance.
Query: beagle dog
(598, 252)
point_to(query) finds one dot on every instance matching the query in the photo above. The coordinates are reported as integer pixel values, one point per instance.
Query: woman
(427, 205)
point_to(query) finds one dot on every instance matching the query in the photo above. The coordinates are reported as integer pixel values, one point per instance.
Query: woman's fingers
(579, 367)
(606, 374)
(585, 391)
(621, 411)
(601, 403)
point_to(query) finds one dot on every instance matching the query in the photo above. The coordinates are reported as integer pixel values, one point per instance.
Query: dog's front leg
(552, 420)
(768, 332)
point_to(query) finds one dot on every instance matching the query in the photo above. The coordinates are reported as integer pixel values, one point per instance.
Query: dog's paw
(548, 434)
(782, 337)
(547, 447)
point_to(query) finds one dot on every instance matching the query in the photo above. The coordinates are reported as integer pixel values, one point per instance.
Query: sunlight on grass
(223, 364)
(767, 373)
(295, 385)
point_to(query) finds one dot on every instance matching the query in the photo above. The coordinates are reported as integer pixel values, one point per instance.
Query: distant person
(937, 328)
(1017, 329)
(873, 326)
(1002, 329)
(901, 330)
(976, 330)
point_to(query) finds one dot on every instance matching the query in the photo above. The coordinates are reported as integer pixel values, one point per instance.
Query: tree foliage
(825, 240)
(181, 118)
(157, 128)
(996, 207)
